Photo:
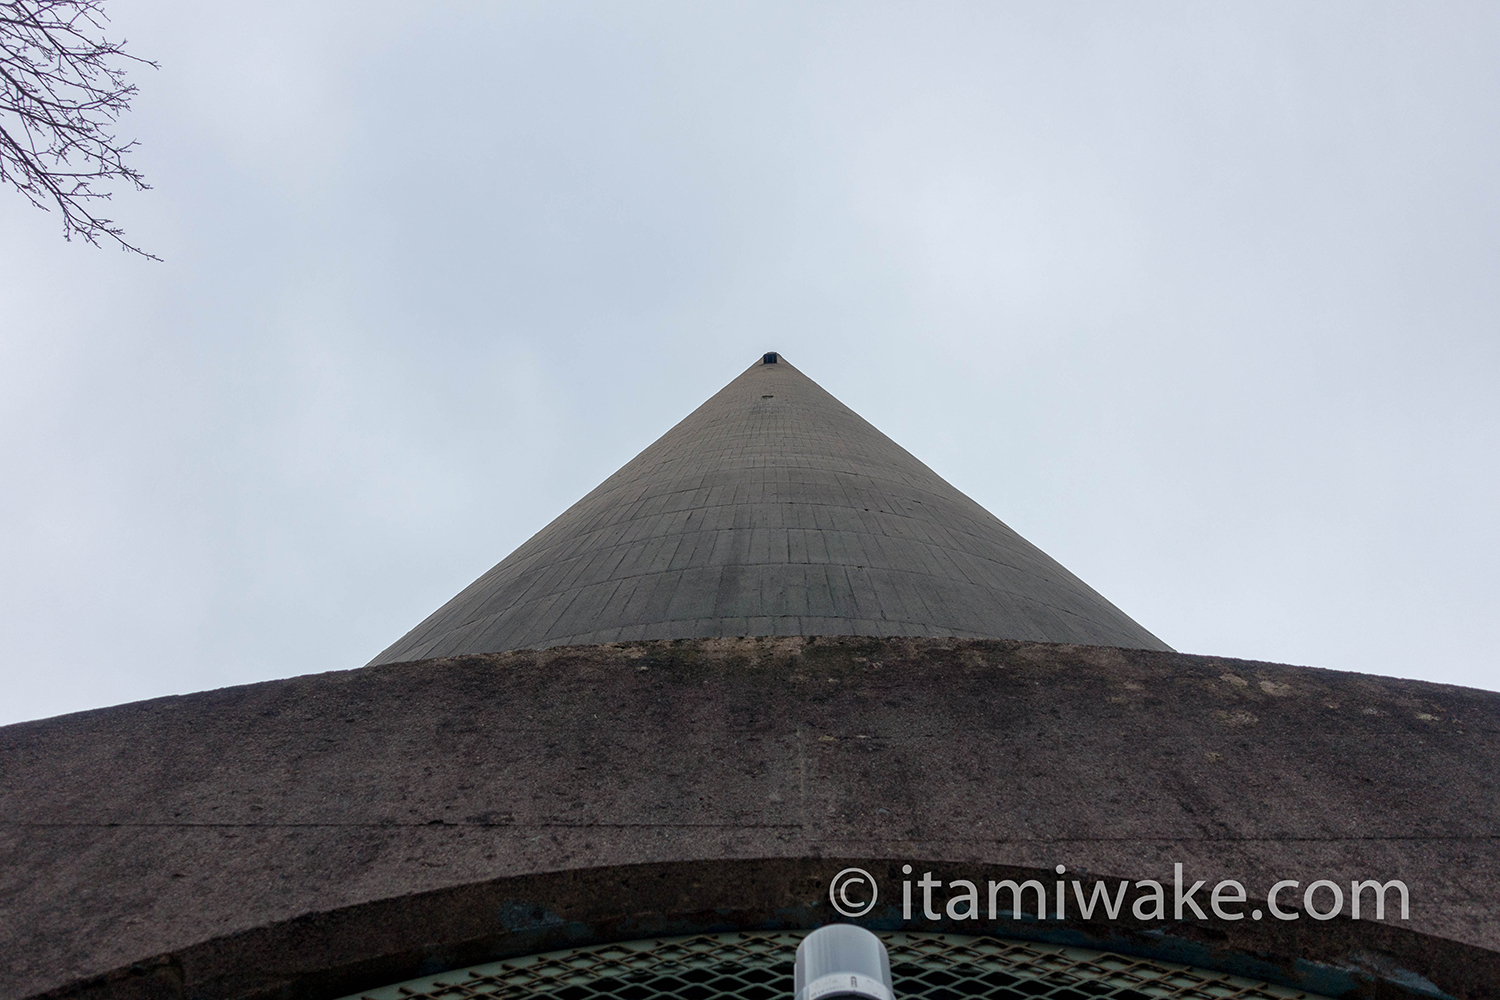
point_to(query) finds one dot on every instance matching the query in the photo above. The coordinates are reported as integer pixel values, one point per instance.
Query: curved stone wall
(310, 837)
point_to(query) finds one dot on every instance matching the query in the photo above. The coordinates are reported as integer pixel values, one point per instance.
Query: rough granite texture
(149, 829)
(772, 509)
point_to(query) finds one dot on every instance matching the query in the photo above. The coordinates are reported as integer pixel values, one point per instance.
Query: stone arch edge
(331, 954)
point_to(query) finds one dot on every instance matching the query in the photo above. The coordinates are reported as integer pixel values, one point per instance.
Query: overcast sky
(1203, 299)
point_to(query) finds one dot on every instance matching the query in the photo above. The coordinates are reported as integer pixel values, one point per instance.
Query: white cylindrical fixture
(842, 960)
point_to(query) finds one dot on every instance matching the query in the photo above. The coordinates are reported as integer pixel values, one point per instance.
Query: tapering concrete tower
(773, 509)
(773, 673)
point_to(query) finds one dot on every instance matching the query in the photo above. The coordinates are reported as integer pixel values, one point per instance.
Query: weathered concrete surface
(155, 828)
(772, 509)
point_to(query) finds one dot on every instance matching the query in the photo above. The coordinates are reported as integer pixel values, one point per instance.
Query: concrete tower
(772, 658)
(773, 509)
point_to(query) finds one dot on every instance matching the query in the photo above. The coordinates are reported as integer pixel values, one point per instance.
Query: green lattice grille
(758, 966)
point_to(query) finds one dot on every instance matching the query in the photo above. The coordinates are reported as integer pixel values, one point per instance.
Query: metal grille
(758, 966)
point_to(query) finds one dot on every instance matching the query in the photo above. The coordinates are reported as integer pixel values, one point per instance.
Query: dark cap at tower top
(769, 359)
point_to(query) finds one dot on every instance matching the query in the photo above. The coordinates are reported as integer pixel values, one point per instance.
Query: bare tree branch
(62, 88)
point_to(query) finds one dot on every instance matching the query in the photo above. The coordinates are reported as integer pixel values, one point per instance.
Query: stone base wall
(310, 837)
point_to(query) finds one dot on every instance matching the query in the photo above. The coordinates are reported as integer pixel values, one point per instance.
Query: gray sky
(1203, 299)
